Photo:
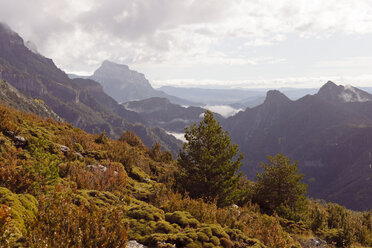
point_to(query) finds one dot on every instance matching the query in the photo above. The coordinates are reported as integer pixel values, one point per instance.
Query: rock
(79, 155)
(97, 167)
(20, 141)
(134, 244)
(64, 149)
(9, 133)
(146, 180)
(314, 243)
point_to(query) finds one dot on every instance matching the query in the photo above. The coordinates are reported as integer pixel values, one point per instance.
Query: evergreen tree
(206, 165)
(279, 188)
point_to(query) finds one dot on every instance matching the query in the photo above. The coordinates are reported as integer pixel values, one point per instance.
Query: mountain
(329, 134)
(82, 102)
(160, 112)
(339, 93)
(125, 85)
(11, 97)
(213, 96)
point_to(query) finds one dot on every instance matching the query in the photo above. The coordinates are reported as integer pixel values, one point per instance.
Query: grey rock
(146, 180)
(9, 133)
(64, 149)
(134, 244)
(314, 243)
(79, 155)
(97, 167)
(20, 141)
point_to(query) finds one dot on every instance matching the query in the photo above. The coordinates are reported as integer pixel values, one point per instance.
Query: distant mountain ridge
(160, 112)
(81, 102)
(329, 134)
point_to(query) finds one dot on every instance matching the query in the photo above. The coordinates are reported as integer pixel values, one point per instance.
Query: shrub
(131, 138)
(99, 177)
(61, 223)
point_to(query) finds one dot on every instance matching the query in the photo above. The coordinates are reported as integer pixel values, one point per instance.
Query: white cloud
(78, 35)
(224, 110)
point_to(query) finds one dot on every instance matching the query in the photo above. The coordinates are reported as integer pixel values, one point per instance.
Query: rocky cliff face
(11, 97)
(122, 83)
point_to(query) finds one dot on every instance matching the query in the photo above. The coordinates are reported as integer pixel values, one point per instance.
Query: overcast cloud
(252, 43)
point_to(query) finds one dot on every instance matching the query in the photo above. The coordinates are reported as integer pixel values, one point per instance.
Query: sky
(205, 43)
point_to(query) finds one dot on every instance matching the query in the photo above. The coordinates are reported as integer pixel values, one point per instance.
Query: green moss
(218, 231)
(165, 227)
(207, 230)
(195, 244)
(146, 212)
(203, 237)
(22, 207)
(182, 218)
(99, 198)
(215, 240)
(138, 174)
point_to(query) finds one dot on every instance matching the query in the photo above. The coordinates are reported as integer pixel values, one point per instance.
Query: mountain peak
(276, 97)
(339, 93)
(111, 64)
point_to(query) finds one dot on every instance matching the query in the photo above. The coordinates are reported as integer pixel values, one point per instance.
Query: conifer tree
(279, 187)
(207, 168)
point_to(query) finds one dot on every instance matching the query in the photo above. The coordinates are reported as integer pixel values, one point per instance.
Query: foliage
(131, 138)
(206, 166)
(61, 223)
(279, 188)
(48, 193)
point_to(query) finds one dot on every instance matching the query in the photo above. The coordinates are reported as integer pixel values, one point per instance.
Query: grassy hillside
(63, 187)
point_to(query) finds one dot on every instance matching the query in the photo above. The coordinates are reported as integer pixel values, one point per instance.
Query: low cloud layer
(206, 40)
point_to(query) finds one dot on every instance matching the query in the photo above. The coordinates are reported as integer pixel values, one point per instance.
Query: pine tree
(206, 166)
(279, 188)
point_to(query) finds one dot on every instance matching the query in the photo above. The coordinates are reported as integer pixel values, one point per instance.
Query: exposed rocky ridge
(11, 97)
(331, 140)
(80, 102)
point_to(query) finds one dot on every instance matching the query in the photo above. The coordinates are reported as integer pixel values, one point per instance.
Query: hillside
(81, 102)
(328, 133)
(56, 178)
(11, 97)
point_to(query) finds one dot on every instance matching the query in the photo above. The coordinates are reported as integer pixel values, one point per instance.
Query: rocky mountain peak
(339, 93)
(119, 74)
(276, 97)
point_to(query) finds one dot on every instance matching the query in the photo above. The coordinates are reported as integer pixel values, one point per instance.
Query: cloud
(79, 35)
(224, 110)
(362, 80)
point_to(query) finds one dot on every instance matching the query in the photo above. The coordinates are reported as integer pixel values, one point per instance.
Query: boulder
(19, 141)
(134, 244)
(314, 243)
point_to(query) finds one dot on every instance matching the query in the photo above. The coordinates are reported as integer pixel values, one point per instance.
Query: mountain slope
(11, 97)
(329, 137)
(80, 102)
